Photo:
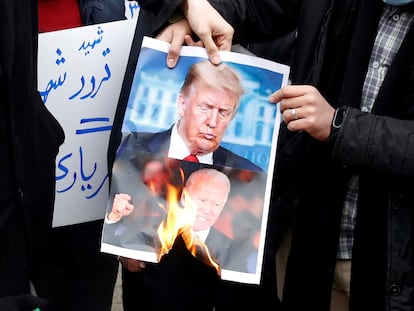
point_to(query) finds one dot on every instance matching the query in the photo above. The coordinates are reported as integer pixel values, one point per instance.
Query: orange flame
(179, 221)
(151, 186)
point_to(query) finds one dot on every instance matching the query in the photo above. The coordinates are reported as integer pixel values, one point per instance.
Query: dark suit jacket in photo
(159, 143)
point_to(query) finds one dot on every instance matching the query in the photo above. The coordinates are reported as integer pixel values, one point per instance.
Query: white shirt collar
(202, 234)
(178, 149)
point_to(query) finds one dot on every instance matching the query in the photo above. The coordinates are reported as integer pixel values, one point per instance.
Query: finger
(118, 205)
(281, 94)
(297, 90)
(224, 42)
(164, 35)
(294, 126)
(132, 265)
(124, 196)
(174, 51)
(190, 42)
(293, 113)
(129, 208)
(275, 97)
(288, 116)
(289, 91)
(294, 123)
(290, 106)
(125, 209)
(139, 266)
(211, 48)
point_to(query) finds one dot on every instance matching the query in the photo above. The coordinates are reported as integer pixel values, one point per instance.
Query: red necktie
(191, 158)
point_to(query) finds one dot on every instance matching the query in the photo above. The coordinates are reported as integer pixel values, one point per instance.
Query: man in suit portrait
(207, 102)
(202, 200)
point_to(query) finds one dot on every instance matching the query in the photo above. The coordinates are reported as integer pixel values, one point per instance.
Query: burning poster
(196, 160)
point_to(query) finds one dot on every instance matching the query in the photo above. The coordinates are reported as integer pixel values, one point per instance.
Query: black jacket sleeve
(259, 21)
(253, 21)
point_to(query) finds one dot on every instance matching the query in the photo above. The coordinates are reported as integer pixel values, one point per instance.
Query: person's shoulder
(219, 234)
(153, 142)
(225, 157)
(134, 137)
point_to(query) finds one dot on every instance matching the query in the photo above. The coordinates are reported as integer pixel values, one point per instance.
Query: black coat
(29, 140)
(333, 45)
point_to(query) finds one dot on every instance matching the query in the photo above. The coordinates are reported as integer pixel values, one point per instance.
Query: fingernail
(170, 62)
(216, 59)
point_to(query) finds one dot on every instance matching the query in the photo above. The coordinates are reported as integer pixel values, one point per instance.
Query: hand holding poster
(222, 117)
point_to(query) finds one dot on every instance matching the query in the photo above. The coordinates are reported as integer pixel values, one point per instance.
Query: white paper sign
(81, 71)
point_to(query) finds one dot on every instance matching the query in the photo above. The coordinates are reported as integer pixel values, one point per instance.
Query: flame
(151, 186)
(179, 221)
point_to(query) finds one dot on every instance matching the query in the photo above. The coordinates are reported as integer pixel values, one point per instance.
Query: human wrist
(111, 218)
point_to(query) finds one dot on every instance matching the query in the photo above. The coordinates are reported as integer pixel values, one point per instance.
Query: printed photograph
(196, 160)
